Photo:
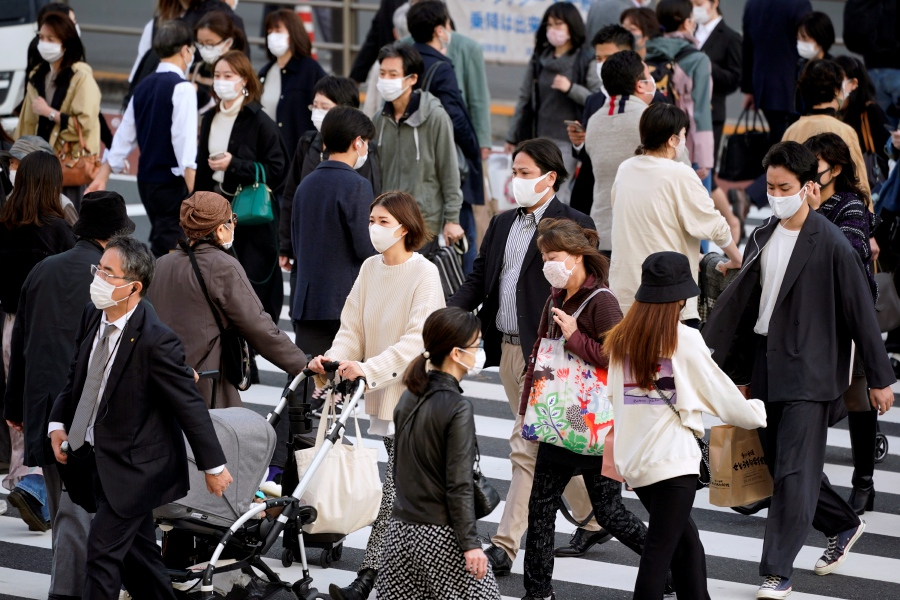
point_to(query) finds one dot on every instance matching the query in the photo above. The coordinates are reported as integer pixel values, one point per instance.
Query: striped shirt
(523, 229)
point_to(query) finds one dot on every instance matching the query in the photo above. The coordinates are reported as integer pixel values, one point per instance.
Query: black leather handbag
(744, 152)
(486, 497)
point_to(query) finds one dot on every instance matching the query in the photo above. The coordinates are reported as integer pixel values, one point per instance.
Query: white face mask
(77, 29)
(12, 176)
(361, 158)
(599, 69)
(807, 50)
(227, 90)
(391, 89)
(523, 190)
(383, 237)
(476, 368)
(229, 244)
(190, 61)
(50, 51)
(210, 54)
(556, 273)
(234, 6)
(701, 15)
(278, 43)
(785, 207)
(445, 42)
(102, 291)
(318, 115)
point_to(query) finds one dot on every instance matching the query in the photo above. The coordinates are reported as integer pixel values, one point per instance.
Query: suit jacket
(149, 400)
(482, 286)
(43, 342)
(724, 48)
(823, 304)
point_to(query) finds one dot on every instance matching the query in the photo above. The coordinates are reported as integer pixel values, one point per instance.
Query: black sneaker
(29, 509)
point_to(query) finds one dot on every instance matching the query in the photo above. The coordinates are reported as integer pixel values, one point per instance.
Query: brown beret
(202, 213)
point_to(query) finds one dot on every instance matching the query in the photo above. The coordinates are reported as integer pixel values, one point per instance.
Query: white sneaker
(775, 587)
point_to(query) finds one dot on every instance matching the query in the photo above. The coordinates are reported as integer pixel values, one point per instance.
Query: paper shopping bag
(738, 467)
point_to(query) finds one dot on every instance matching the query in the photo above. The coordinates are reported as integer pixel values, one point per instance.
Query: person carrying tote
(659, 367)
(432, 548)
(580, 309)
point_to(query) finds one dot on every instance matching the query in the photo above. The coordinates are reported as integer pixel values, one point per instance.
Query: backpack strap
(429, 75)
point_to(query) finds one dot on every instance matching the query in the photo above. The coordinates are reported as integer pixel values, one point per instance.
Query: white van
(18, 25)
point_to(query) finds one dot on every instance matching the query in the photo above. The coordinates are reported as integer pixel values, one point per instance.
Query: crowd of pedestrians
(619, 127)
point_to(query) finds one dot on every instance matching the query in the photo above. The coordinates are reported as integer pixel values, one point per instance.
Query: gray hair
(138, 263)
(171, 37)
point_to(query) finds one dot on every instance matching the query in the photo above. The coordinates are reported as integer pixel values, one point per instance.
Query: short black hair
(171, 37)
(794, 157)
(138, 263)
(659, 123)
(546, 155)
(820, 82)
(673, 13)
(621, 72)
(340, 90)
(344, 124)
(412, 60)
(833, 150)
(819, 27)
(614, 34)
(423, 17)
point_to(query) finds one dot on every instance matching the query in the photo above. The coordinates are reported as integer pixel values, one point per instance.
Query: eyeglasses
(97, 271)
(233, 219)
(313, 107)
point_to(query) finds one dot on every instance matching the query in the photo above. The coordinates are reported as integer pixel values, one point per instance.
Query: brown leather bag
(79, 167)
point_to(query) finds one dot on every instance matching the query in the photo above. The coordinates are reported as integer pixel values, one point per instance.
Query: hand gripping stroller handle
(275, 416)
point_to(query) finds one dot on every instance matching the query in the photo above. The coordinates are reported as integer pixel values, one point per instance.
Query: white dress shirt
(183, 131)
(113, 341)
(703, 31)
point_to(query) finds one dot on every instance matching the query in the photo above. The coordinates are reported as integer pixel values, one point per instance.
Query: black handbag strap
(212, 307)
(410, 416)
(677, 414)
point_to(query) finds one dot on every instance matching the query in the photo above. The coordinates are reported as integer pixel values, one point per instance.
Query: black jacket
(43, 342)
(433, 458)
(381, 33)
(309, 153)
(150, 404)
(824, 303)
(298, 78)
(872, 28)
(724, 48)
(482, 286)
(24, 247)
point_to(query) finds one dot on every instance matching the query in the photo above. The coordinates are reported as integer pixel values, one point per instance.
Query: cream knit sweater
(381, 325)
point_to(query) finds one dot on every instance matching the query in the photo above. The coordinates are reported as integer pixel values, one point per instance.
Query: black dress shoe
(358, 590)
(530, 597)
(29, 509)
(582, 541)
(753, 507)
(499, 559)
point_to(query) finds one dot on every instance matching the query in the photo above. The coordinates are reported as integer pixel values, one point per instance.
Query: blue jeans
(34, 485)
(887, 89)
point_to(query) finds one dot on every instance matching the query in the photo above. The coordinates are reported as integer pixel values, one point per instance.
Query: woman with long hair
(582, 310)
(432, 548)
(662, 379)
(840, 200)
(32, 227)
(379, 336)
(559, 78)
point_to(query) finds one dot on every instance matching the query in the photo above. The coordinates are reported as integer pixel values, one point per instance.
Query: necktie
(87, 404)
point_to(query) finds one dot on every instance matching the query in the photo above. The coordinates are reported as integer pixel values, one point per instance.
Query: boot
(358, 590)
(863, 427)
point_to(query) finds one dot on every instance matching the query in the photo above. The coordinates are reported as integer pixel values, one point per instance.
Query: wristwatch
(52, 115)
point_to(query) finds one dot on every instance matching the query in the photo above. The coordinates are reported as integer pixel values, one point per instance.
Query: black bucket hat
(102, 215)
(666, 277)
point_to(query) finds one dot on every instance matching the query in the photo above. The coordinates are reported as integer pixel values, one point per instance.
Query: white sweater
(381, 325)
(657, 205)
(651, 443)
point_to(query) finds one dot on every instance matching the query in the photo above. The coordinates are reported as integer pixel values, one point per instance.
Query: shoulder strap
(867, 133)
(577, 313)
(674, 410)
(409, 417)
(212, 307)
(429, 75)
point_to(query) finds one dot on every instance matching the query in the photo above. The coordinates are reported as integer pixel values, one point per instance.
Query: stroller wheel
(325, 559)
(337, 552)
(881, 447)
(287, 558)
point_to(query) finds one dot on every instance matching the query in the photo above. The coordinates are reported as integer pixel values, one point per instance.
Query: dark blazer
(43, 342)
(309, 154)
(724, 47)
(483, 283)
(330, 229)
(446, 89)
(298, 78)
(770, 51)
(824, 303)
(149, 400)
(381, 33)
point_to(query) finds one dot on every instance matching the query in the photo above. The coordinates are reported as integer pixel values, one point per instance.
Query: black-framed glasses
(97, 271)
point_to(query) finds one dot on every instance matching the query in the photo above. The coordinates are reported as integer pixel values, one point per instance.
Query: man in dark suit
(785, 327)
(508, 281)
(128, 398)
(43, 342)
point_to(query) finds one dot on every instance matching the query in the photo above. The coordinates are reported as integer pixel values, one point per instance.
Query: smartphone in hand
(574, 124)
(217, 156)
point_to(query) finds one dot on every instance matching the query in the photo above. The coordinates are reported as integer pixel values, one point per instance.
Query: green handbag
(253, 204)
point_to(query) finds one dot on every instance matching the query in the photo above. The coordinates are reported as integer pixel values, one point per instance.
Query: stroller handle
(274, 416)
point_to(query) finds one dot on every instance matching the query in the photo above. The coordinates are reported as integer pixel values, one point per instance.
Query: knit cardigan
(381, 325)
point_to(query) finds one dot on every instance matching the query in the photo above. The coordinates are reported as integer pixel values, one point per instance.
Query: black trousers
(672, 540)
(123, 550)
(550, 480)
(162, 201)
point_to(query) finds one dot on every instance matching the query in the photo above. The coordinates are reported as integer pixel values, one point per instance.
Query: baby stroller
(201, 530)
